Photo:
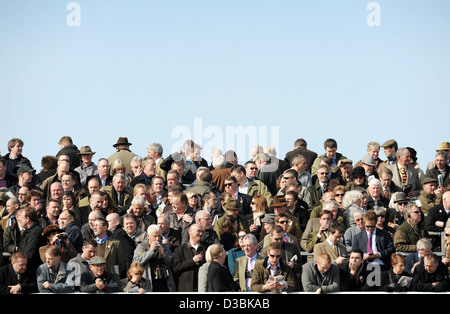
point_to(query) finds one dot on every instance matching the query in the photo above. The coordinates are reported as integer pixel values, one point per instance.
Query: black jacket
(28, 283)
(220, 279)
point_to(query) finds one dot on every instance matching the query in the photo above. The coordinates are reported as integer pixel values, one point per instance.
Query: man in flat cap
(123, 153)
(440, 170)
(390, 148)
(430, 196)
(87, 167)
(232, 208)
(97, 279)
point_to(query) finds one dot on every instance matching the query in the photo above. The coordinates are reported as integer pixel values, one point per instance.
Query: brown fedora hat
(279, 201)
(232, 204)
(444, 146)
(86, 150)
(122, 141)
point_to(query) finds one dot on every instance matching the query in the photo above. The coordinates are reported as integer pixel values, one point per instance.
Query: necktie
(249, 269)
(386, 193)
(404, 177)
(369, 244)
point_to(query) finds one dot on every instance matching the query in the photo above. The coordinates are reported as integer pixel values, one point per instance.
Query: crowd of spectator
(308, 222)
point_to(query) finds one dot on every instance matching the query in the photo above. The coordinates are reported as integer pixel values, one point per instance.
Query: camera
(62, 236)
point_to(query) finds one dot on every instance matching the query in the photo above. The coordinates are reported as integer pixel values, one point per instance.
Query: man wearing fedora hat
(123, 153)
(87, 167)
(443, 147)
(440, 169)
(232, 208)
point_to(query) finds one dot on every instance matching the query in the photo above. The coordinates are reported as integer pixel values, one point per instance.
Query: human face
(163, 224)
(430, 265)
(290, 201)
(386, 180)
(99, 228)
(178, 169)
(178, 205)
(67, 182)
(301, 166)
(370, 225)
(103, 168)
(35, 202)
(98, 270)
(325, 220)
(86, 159)
(67, 202)
(380, 219)
(11, 207)
(346, 169)
(355, 260)
(93, 186)
(119, 184)
(52, 261)
(389, 151)
(429, 188)
(26, 177)
(52, 209)
(230, 186)
(56, 190)
(172, 179)
(440, 162)
(274, 257)
(154, 236)
(89, 251)
(251, 170)
(405, 158)
(196, 233)
(374, 151)
(339, 196)
(248, 247)
(129, 224)
(138, 209)
(360, 221)
(136, 168)
(358, 180)
(63, 219)
(16, 150)
(150, 168)
(20, 265)
(205, 221)
(322, 175)
(330, 152)
(158, 185)
(416, 215)
(96, 202)
(284, 223)
(375, 190)
(212, 202)
(323, 267)
(277, 237)
(335, 237)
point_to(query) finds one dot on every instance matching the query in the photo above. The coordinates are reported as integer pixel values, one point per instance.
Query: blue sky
(148, 69)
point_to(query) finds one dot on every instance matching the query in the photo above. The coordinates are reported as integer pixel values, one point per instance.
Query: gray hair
(400, 151)
(218, 160)
(136, 159)
(200, 214)
(350, 197)
(424, 244)
(153, 228)
(328, 204)
(156, 148)
(138, 200)
(118, 176)
(374, 181)
(252, 238)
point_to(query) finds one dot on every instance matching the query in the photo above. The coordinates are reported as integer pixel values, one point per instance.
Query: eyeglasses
(228, 184)
(278, 239)
(417, 212)
(253, 203)
(283, 221)
(370, 226)
(403, 203)
(287, 178)
(339, 194)
(381, 216)
(274, 256)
